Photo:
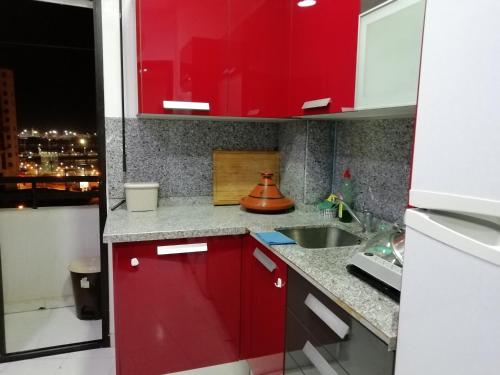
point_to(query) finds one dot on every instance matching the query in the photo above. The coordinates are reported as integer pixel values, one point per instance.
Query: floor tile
(87, 362)
(85, 366)
(94, 353)
(39, 366)
(46, 328)
(234, 368)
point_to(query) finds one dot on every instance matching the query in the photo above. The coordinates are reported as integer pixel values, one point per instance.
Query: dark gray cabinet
(322, 338)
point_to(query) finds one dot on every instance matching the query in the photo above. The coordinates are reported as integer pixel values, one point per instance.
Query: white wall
(37, 246)
(112, 84)
(111, 57)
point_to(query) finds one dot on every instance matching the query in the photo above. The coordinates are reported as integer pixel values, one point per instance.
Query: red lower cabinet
(264, 278)
(177, 304)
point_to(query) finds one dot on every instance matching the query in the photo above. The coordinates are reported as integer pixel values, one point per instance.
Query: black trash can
(86, 281)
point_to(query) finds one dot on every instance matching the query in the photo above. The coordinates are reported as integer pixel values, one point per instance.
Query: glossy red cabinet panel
(179, 311)
(182, 54)
(323, 55)
(264, 310)
(258, 58)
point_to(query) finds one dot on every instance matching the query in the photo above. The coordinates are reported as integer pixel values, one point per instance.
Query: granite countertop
(325, 268)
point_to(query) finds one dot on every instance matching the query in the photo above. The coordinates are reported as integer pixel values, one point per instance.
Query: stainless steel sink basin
(313, 238)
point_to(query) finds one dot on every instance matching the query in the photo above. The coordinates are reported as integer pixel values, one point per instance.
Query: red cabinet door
(175, 312)
(182, 54)
(264, 305)
(258, 58)
(323, 55)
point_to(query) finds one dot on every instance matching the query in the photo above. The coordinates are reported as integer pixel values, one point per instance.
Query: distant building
(48, 162)
(9, 150)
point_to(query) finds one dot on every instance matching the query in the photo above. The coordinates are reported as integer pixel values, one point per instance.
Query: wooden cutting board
(235, 173)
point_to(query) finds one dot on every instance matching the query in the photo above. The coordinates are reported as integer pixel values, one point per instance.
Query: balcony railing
(35, 191)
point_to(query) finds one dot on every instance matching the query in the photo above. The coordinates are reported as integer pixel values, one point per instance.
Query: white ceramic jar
(141, 196)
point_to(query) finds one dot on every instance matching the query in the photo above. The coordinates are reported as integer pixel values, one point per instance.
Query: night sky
(50, 49)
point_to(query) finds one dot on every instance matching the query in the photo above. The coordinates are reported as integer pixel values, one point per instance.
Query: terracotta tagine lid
(266, 197)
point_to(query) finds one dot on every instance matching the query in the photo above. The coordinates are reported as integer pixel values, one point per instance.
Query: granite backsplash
(306, 160)
(378, 154)
(178, 154)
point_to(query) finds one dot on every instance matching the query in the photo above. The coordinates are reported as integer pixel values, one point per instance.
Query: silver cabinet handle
(336, 324)
(197, 106)
(134, 262)
(317, 360)
(181, 249)
(264, 260)
(318, 103)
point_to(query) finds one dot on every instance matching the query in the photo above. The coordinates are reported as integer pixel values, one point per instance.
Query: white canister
(141, 196)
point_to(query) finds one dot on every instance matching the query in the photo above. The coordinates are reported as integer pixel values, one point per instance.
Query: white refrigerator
(450, 300)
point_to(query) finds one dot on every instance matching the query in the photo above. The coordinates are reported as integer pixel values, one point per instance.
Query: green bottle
(347, 196)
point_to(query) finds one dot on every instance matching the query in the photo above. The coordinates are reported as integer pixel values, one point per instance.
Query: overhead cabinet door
(390, 40)
(323, 56)
(182, 54)
(258, 64)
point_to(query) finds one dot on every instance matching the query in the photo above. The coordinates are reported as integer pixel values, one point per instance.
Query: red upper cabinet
(323, 56)
(264, 303)
(182, 55)
(258, 58)
(177, 308)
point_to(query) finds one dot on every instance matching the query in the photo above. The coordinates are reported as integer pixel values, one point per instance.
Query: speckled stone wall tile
(178, 153)
(378, 153)
(292, 145)
(114, 163)
(319, 159)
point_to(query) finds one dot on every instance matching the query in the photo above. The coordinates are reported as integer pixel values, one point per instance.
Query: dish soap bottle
(347, 196)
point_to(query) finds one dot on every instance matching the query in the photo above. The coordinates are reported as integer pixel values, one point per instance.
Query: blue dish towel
(275, 238)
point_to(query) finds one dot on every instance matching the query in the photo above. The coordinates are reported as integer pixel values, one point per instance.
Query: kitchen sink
(313, 238)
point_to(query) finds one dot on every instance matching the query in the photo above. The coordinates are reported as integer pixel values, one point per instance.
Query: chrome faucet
(353, 214)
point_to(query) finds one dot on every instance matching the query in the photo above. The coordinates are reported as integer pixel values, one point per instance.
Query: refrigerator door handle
(476, 237)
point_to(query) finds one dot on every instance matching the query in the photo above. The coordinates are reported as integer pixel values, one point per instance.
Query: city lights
(57, 153)
(27, 151)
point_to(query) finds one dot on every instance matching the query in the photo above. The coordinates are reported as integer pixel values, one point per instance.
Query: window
(46, 66)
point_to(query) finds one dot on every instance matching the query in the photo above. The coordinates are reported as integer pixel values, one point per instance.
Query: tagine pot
(266, 197)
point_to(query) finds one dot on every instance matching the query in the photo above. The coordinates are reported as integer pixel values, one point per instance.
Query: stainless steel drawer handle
(181, 249)
(318, 103)
(196, 106)
(317, 360)
(336, 324)
(264, 260)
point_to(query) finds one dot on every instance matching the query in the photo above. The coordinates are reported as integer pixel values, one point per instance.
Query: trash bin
(86, 281)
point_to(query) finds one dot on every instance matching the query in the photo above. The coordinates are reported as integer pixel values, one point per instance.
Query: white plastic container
(141, 196)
